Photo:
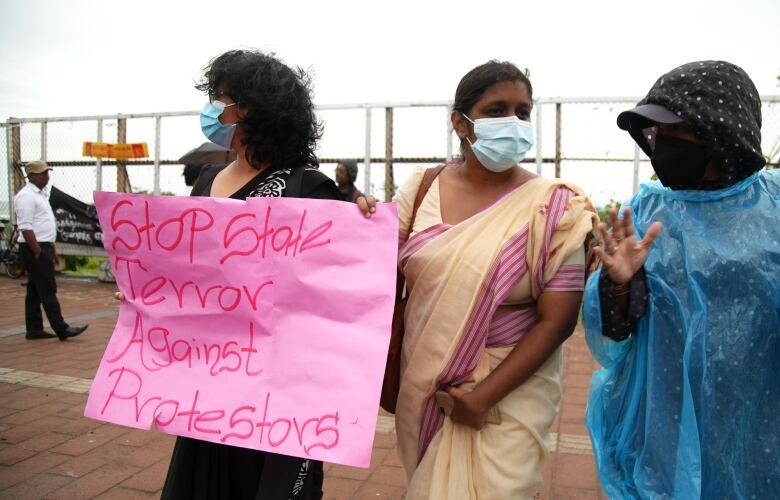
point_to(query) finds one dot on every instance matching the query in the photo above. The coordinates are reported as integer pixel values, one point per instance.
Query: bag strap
(428, 177)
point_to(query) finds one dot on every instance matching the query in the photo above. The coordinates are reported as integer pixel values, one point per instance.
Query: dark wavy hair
(478, 80)
(280, 124)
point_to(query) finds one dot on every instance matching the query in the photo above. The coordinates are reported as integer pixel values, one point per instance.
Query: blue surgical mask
(216, 132)
(501, 142)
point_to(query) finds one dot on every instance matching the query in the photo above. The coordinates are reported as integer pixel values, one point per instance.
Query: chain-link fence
(576, 139)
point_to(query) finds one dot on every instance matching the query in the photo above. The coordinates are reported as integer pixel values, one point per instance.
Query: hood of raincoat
(719, 103)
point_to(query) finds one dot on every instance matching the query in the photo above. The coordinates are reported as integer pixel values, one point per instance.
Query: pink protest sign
(262, 324)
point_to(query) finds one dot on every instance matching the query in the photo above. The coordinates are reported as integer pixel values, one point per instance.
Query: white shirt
(33, 212)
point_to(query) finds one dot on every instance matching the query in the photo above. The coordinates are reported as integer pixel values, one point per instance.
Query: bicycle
(9, 256)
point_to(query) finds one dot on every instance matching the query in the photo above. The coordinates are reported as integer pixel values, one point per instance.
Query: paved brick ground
(49, 450)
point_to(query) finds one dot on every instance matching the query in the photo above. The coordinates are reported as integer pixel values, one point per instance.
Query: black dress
(204, 470)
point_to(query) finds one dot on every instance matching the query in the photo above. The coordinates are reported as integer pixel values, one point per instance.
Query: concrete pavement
(49, 450)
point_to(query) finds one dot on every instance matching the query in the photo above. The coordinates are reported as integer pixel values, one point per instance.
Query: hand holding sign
(243, 322)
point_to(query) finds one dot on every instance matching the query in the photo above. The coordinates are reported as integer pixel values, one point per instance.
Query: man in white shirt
(37, 233)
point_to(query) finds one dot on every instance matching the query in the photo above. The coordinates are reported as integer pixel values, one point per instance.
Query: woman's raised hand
(367, 204)
(621, 254)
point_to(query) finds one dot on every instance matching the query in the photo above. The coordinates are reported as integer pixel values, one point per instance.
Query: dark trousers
(201, 470)
(41, 289)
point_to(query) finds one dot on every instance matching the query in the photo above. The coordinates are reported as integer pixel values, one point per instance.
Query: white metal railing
(14, 155)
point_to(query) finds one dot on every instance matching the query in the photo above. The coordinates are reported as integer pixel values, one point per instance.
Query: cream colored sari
(458, 276)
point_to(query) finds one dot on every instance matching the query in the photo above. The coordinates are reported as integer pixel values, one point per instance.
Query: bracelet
(620, 289)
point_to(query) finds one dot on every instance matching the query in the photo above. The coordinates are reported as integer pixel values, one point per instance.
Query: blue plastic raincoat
(689, 406)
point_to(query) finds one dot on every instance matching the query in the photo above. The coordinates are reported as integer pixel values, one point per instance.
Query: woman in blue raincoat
(684, 315)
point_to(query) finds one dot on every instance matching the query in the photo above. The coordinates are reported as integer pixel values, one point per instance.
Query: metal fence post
(539, 158)
(448, 156)
(557, 140)
(122, 181)
(44, 139)
(12, 158)
(16, 156)
(15, 179)
(9, 171)
(99, 161)
(389, 180)
(157, 121)
(367, 157)
(635, 184)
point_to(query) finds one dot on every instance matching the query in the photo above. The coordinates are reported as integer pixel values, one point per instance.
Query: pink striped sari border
(566, 287)
(506, 271)
(556, 207)
(407, 248)
(507, 331)
(481, 319)
(501, 319)
(568, 278)
(571, 286)
(511, 329)
(419, 240)
(570, 270)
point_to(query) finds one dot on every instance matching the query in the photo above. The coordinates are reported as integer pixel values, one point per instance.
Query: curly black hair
(280, 124)
(478, 80)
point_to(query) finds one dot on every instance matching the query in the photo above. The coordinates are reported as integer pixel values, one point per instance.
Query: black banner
(77, 222)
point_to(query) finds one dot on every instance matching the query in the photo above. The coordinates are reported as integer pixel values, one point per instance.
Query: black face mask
(679, 163)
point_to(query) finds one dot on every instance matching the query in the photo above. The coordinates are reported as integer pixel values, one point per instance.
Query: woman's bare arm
(557, 316)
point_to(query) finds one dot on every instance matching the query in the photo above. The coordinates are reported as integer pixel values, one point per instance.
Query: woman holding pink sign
(495, 263)
(263, 110)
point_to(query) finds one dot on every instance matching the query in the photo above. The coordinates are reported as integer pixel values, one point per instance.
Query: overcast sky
(83, 57)
(79, 57)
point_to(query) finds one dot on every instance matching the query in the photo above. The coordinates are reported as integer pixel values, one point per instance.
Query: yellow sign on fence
(118, 151)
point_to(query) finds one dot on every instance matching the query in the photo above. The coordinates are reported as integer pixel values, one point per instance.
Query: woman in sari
(688, 329)
(494, 267)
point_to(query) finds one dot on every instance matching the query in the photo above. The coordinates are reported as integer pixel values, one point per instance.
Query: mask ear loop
(472, 123)
(222, 107)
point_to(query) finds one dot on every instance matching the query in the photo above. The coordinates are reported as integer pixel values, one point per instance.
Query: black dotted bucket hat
(719, 103)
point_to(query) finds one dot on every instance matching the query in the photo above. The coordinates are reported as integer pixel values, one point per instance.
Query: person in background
(37, 234)
(346, 174)
(684, 315)
(495, 266)
(191, 174)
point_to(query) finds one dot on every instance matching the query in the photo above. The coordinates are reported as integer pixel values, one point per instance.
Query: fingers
(650, 236)
(605, 236)
(628, 223)
(608, 243)
(362, 204)
(455, 392)
(119, 296)
(600, 254)
(614, 222)
(367, 205)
